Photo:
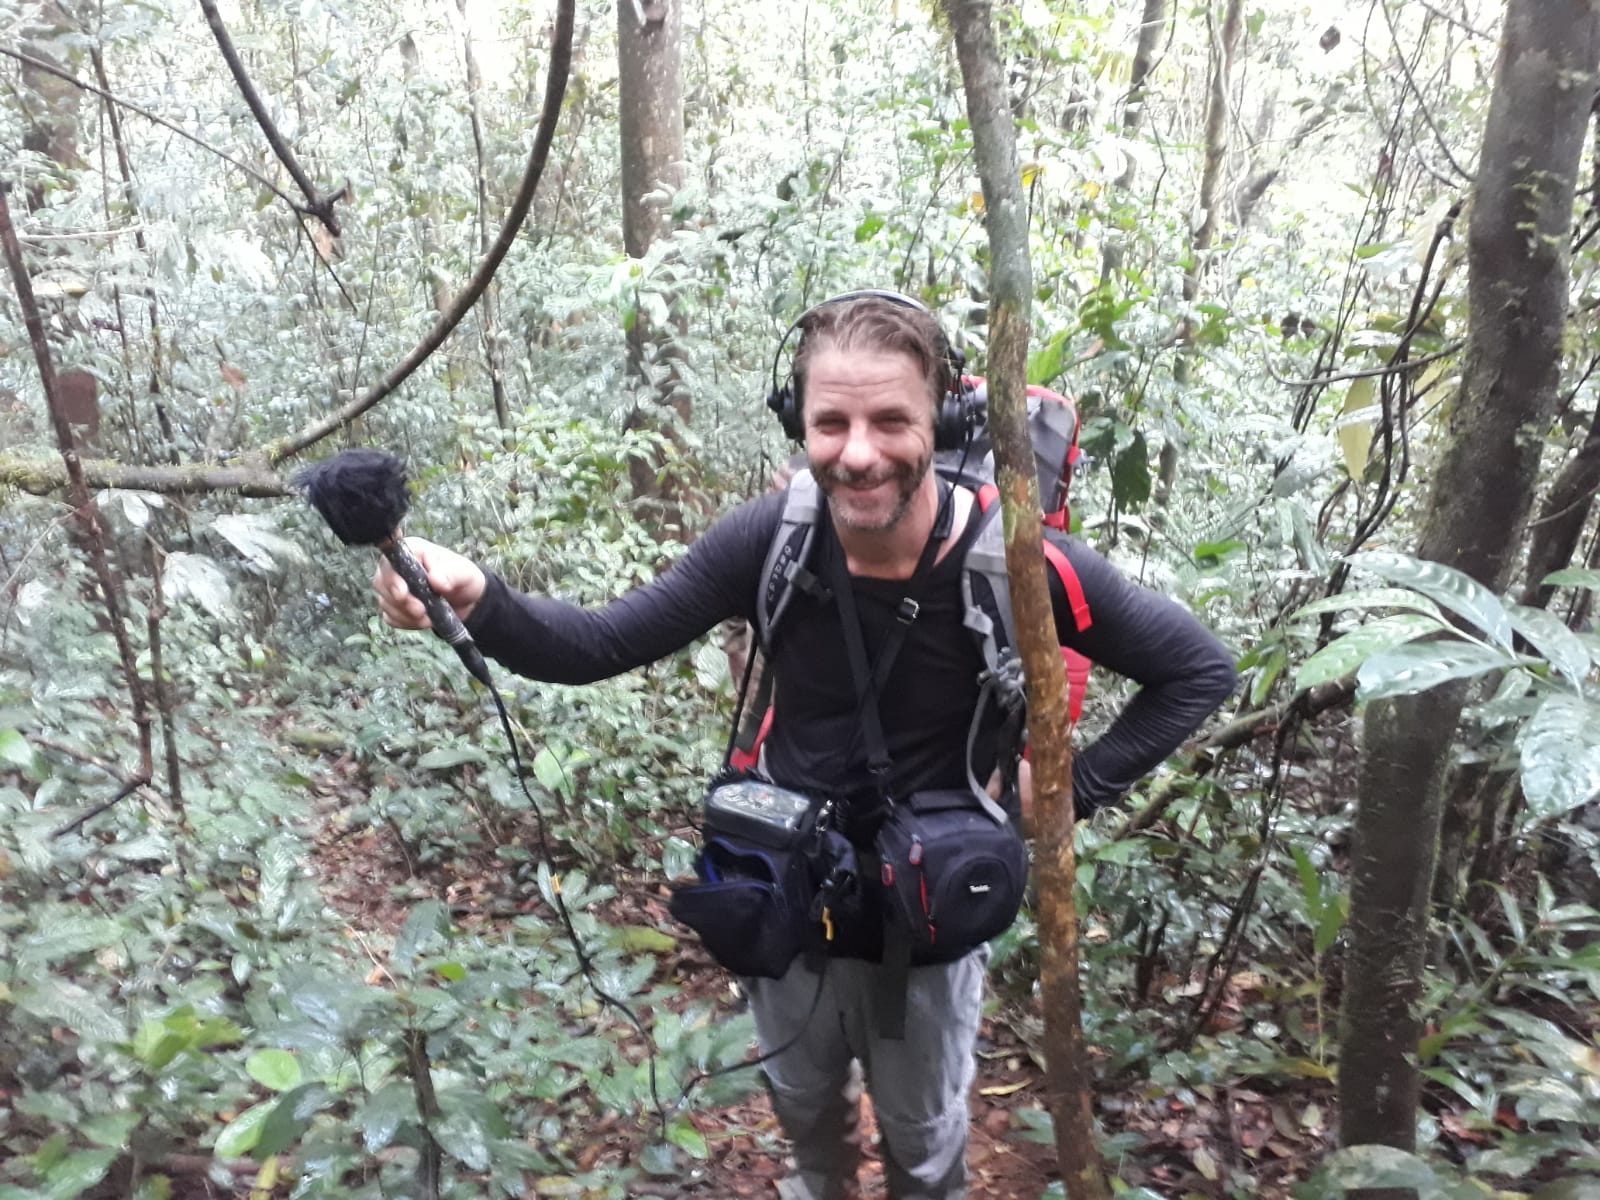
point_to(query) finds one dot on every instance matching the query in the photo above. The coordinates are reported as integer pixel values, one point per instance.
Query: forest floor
(1203, 1143)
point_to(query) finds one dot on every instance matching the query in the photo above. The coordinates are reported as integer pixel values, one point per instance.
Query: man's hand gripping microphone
(363, 497)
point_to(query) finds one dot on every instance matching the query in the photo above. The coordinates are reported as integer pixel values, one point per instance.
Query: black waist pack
(954, 877)
(752, 904)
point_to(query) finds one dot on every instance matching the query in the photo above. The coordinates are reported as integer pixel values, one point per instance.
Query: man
(869, 376)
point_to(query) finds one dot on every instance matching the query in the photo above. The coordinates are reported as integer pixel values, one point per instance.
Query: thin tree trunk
(490, 312)
(131, 199)
(1218, 119)
(1517, 290)
(92, 534)
(1555, 535)
(1049, 721)
(650, 86)
(1151, 24)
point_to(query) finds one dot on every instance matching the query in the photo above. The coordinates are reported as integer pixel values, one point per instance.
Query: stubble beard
(907, 478)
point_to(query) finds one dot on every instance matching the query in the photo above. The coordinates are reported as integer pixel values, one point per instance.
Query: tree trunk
(1217, 122)
(1005, 215)
(649, 35)
(1562, 517)
(50, 104)
(1517, 291)
(1151, 23)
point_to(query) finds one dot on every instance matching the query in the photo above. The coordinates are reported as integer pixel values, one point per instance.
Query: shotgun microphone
(363, 497)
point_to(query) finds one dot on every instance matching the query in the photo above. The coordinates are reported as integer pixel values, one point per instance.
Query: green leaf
(241, 1134)
(687, 1138)
(196, 577)
(70, 1004)
(275, 1070)
(1370, 598)
(1044, 364)
(156, 1046)
(1457, 591)
(1561, 755)
(643, 939)
(1406, 670)
(1310, 882)
(1334, 915)
(464, 1139)
(548, 771)
(427, 923)
(385, 1111)
(1376, 1166)
(1572, 577)
(14, 750)
(77, 1173)
(868, 227)
(290, 1117)
(1130, 474)
(1551, 638)
(1343, 655)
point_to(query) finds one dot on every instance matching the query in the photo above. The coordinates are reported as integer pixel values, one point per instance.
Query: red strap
(1069, 580)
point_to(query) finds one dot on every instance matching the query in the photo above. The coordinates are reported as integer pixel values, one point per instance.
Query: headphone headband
(956, 413)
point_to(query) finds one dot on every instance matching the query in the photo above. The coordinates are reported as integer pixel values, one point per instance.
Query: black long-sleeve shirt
(927, 704)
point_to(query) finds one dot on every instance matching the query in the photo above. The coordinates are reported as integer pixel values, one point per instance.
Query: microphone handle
(443, 618)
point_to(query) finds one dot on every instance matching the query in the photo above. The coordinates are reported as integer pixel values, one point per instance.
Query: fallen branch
(1199, 762)
(555, 90)
(47, 478)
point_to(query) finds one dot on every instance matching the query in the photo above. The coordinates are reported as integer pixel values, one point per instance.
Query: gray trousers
(919, 1085)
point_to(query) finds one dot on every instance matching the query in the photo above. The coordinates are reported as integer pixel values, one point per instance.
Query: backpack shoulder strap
(788, 554)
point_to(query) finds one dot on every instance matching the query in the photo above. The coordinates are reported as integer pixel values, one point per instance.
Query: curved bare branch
(555, 91)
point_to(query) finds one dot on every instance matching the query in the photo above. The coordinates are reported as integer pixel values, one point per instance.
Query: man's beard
(907, 478)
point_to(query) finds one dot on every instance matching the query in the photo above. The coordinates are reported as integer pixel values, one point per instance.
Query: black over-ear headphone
(958, 412)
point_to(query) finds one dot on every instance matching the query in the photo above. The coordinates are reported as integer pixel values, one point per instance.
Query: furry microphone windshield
(362, 495)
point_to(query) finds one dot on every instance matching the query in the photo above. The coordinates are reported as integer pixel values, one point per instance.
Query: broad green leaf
(196, 577)
(276, 1070)
(1130, 474)
(241, 1134)
(14, 750)
(1354, 427)
(1370, 598)
(1457, 591)
(155, 1045)
(1406, 670)
(110, 1129)
(1561, 755)
(1554, 640)
(686, 1137)
(425, 924)
(1310, 882)
(64, 934)
(384, 1112)
(1044, 364)
(290, 1117)
(256, 536)
(1572, 577)
(1377, 1166)
(78, 1172)
(463, 1138)
(548, 771)
(643, 939)
(80, 1010)
(1334, 914)
(1343, 655)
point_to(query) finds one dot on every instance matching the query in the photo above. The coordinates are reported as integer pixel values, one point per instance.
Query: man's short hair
(873, 323)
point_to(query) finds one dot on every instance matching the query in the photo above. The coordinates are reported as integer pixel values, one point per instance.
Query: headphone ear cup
(787, 406)
(956, 413)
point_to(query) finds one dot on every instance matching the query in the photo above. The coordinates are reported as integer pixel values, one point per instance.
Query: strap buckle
(908, 610)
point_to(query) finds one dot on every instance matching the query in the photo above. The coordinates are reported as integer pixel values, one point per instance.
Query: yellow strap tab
(827, 923)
